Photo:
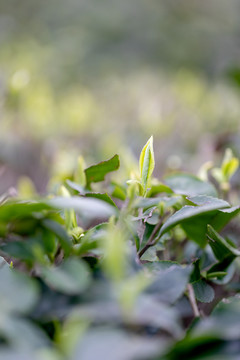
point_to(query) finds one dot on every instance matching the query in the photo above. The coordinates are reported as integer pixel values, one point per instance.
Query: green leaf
(18, 291)
(105, 342)
(88, 208)
(223, 323)
(19, 250)
(230, 164)
(21, 209)
(71, 277)
(220, 247)
(201, 214)
(186, 184)
(223, 217)
(60, 232)
(104, 197)
(96, 173)
(203, 291)
(159, 188)
(70, 216)
(146, 163)
(79, 174)
(156, 201)
(156, 267)
(170, 283)
(76, 187)
(119, 191)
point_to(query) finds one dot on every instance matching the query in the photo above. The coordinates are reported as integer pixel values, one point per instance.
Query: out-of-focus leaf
(113, 344)
(79, 174)
(146, 163)
(149, 311)
(186, 184)
(159, 188)
(89, 208)
(91, 240)
(19, 250)
(115, 251)
(156, 267)
(70, 216)
(79, 188)
(223, 322)
(119, 191)
(203, 291)
(97, 172)
(71, 277)
(149, 202)
(60, 232)
(104, 197)
(171, 283)
(17, 209)
(230, 164)
(22, 335)
(19, 292)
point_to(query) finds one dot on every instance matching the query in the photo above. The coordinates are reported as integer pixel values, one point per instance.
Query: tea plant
(140, 269)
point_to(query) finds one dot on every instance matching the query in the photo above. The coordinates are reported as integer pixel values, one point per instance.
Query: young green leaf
(146, 163)
(230, 164)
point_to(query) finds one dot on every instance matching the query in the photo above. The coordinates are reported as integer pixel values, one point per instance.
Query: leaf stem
(150, 241)
(192, 300)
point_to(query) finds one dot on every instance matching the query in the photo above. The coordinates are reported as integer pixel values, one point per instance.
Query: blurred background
(99, 77)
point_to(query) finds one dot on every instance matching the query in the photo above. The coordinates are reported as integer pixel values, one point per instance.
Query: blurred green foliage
(90, 77)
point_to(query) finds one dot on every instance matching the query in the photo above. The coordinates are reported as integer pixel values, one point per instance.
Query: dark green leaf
(220, 246)
(171, 283)
(203, 291)
(60, 232)
(194, 219)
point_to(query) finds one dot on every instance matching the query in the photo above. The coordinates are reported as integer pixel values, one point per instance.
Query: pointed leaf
(146, 163)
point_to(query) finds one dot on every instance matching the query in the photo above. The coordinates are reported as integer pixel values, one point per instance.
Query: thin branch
(192, 300)
(150, 241)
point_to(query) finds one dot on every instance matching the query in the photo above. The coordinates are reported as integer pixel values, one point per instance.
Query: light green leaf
(230, 164)
(146, 163)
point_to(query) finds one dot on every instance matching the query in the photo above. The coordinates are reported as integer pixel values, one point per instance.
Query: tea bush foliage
(101, 268)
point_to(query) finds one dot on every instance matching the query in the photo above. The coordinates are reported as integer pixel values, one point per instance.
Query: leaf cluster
(140, 269)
